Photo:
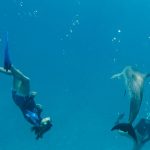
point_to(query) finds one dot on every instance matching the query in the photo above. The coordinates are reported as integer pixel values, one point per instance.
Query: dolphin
(134, 81)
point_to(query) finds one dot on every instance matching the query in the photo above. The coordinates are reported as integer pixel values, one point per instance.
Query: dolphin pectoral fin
(127, 128)
(118, 75)
(7, 62)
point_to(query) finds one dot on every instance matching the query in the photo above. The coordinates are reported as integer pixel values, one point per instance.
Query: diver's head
(45, 125)
(46, 121)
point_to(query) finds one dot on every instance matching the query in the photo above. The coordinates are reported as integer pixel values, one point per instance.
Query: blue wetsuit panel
(32, 118)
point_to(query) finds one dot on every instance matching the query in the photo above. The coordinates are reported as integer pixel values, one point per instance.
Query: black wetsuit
(28, 107)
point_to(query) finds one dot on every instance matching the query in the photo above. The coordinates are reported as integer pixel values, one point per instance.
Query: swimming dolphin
(134, 81)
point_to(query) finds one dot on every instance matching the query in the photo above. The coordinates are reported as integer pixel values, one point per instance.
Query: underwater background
(70, 49)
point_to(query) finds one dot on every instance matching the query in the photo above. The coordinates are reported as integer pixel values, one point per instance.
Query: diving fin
(126, 127)
(7, 61)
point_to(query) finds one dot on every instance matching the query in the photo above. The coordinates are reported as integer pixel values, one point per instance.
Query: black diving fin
(126, 127)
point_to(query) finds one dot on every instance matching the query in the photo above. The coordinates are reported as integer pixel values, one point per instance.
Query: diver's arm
(4, 71)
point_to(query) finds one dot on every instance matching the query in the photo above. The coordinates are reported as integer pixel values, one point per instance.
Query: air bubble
(21, 4)
(35, 12)
(67, 35)
(119, 31)
(114, 39)
(77, 22)
(114, 60)
(71, 31)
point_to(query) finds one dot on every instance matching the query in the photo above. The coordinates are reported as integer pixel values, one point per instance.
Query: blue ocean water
(69, 50)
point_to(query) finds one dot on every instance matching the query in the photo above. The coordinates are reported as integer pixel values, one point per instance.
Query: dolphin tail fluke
(127, 128)
(7, 61)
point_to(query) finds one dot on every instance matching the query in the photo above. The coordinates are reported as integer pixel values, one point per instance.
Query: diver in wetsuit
(142, 130)
(24, 99)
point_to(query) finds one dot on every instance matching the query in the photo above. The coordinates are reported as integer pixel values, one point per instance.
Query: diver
(24, 98)
(142, 130)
